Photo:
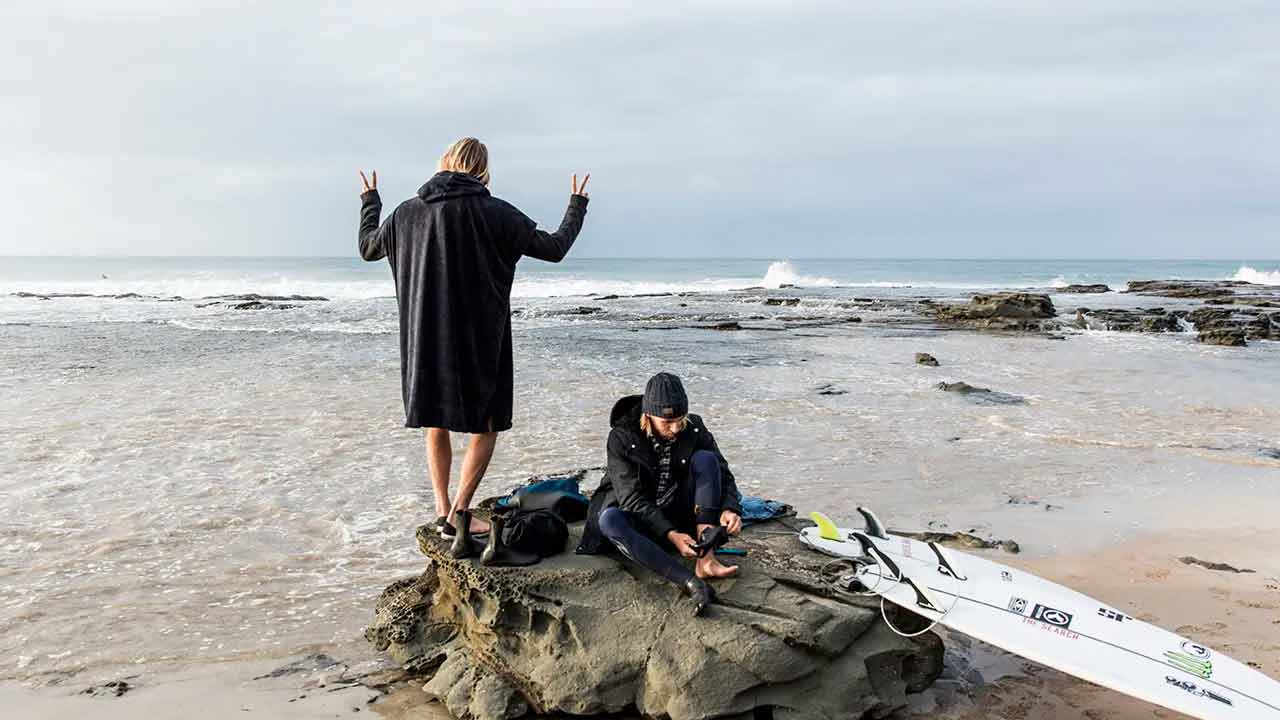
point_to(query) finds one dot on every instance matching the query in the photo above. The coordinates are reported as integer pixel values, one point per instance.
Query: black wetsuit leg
(620, 529)
(699, 496)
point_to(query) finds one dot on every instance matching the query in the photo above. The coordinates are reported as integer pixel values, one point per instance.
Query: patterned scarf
(666, 487)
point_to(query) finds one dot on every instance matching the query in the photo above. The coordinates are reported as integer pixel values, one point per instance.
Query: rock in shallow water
(926, 359)
(589, 634)
(981, 395)
(1000, 311)
(1229, 338)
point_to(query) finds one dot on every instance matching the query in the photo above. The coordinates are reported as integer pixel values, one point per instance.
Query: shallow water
(182, 484)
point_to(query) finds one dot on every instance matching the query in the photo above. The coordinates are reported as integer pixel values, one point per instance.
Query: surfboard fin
(869, 548)
(924, 598)
(874, 527)
(826, 529)
(944, 567)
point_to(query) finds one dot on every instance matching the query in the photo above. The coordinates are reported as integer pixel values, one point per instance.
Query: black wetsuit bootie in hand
(464, 545)
(712, 538)
(701, 593)
(498, 554)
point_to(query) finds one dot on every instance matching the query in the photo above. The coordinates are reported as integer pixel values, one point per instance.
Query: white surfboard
(1050, 624)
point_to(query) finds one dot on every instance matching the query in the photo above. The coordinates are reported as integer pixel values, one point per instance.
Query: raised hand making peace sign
(372, 185)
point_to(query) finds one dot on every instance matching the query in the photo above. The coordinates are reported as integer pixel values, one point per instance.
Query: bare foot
(478, 526)
(711, 567)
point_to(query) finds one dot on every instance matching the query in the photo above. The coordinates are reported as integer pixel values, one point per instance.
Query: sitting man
(666, 484)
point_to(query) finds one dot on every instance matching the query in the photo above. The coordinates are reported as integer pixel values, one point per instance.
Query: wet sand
(293, 688)
(1235, 613)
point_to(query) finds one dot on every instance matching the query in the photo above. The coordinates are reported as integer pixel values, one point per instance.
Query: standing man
(453, 250)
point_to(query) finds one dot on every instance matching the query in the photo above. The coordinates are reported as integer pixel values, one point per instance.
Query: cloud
(862, 129)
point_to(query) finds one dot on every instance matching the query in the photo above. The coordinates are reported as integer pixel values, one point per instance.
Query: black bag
(535, 531)
(570, 506)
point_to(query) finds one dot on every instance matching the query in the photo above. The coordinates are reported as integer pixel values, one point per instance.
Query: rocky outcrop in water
(1214, 292)
(1085, 289)
(586, 635)
(980, 395)
(999, 311)
(1228, 338)
(580, 310)
(926, 359)
(1150, 320)
(1215, 324)
(1221, 324)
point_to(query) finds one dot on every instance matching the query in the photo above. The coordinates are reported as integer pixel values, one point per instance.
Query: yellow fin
(826, 528)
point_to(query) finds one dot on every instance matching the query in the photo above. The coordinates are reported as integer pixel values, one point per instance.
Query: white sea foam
(1261, 277)
(575, 285)
(210, 284)
(778, 274)
(784, 273)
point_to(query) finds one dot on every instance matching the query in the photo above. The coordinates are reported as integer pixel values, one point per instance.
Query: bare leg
(439, 465)
(709, 566)
(474, 465)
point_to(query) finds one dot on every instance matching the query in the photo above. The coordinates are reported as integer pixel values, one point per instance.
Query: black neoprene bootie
(464, 545)
(712, 538)
(498, 554)
(701, 593)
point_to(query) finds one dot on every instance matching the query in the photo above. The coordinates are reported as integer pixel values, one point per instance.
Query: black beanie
(664, 397)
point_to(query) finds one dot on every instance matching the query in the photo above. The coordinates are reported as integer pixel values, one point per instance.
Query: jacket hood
(626, 411)
(450, 185)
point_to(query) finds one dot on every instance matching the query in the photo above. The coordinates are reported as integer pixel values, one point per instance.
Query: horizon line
(670, 257)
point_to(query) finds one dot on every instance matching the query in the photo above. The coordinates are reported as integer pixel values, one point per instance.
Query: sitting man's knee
(613, 523)
(704, 460)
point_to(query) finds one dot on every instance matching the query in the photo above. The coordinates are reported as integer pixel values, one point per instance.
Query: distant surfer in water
(667, 488)
(453, 250)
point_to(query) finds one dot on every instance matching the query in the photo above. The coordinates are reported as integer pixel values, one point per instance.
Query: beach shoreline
(241, 485)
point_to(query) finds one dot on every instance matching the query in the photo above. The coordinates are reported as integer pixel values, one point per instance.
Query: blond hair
(469, 156)
(646, 424)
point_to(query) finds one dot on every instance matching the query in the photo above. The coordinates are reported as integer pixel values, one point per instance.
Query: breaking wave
(1260, 277)
(784, 273)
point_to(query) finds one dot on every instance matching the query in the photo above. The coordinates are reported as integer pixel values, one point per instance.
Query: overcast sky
(876, 129)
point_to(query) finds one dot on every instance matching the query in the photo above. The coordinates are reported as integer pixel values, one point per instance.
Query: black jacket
(453, 251)
(630, 481)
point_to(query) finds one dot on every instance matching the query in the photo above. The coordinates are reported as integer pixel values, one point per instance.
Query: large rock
(1249, 322)
(1092, 289)
(1001, 311)
(587, 635)
(1230, 338)
(1250, 298)
(1147, 320)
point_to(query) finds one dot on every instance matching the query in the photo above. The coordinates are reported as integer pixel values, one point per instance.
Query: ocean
(185, 482)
